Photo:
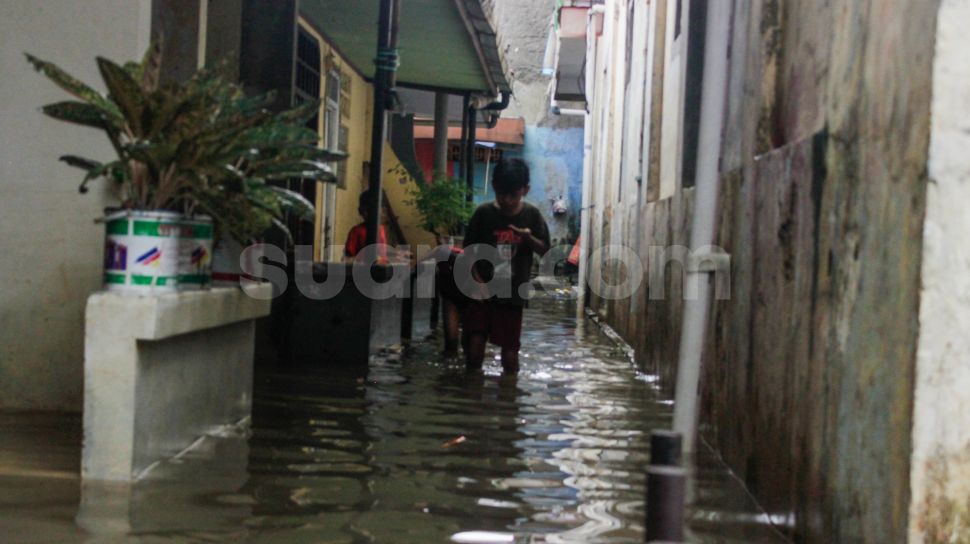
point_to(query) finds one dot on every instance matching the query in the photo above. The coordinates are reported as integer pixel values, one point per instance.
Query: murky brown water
(417, 450)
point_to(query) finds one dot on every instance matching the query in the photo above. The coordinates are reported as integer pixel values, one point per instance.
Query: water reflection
(417, 450)
(190, 495)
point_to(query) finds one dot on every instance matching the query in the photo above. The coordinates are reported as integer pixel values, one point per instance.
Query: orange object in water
(573, 258)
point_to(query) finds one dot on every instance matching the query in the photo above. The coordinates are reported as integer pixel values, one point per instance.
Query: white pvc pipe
(586, 206)
(568, 111)
(693, 331)
(202, 34)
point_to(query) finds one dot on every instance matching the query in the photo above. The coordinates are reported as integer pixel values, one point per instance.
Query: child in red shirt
(357, 237)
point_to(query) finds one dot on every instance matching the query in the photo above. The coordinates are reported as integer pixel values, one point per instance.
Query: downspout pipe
(500, 104)
(470, 154)
(495, 108)
(556, 110)
(384, 81)
(706, 203)
(440, 157)
(463, 144)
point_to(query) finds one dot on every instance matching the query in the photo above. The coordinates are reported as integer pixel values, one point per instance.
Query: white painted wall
(51, 250)
(941, 422)
(675, 76)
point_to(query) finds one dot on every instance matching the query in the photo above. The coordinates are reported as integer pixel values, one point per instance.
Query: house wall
(52, 248)
(556, 169)
(810, 365)
(358, 153)
(940, 507)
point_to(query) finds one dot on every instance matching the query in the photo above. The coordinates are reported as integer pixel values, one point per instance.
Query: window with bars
(308, 72)
(306, 88)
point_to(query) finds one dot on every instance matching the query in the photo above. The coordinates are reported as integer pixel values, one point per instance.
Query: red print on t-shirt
(507, 236)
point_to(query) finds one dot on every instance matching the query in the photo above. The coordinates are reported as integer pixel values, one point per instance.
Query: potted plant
(443, 207)
(190, 160)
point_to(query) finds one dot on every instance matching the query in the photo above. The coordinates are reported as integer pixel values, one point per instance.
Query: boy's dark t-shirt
(490, 226)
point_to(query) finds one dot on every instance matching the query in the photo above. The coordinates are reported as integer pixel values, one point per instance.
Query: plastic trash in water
(454, 442)
(482, 537)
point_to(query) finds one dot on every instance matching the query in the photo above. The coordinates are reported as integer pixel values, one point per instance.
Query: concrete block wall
(811, 365)
(162, 371)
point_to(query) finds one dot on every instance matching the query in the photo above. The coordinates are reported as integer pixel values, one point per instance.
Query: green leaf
(302, 113)
(125, 92)
(95, 169)
(325, 155)
(79, 113)
(442, 205)
(282, 226)
(279, 135)
(318, 175)
(80, 162)
(134, 69)
(74, 86)
(294, 202)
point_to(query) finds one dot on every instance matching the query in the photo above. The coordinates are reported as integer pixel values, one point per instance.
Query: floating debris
(482, 537)
(454, 442)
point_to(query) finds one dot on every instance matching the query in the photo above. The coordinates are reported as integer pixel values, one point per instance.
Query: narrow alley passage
(415, 451)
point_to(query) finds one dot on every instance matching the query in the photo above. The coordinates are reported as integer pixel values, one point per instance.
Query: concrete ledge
(162, 316)
(161, 371)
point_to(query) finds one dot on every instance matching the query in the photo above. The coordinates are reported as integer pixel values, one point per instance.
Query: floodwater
(415, 451)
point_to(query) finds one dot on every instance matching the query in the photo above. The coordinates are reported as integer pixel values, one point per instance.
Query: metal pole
(384, 80)
(666, 492)
(470, 158)
(665, 448)
(440, 135)
(463, 145)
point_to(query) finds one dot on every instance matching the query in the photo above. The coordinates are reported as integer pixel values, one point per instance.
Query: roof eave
(485, 39)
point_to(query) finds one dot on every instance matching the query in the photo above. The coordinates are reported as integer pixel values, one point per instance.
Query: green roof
(443, 44)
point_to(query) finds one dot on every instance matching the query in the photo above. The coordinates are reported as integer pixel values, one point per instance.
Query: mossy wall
(810, 365)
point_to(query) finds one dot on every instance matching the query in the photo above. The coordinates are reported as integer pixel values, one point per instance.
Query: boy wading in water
(511, 230)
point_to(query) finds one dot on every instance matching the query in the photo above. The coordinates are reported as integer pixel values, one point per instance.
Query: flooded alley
(416, 451)
(237, 232)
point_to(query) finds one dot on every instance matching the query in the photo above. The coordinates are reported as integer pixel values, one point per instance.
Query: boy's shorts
(502, 323)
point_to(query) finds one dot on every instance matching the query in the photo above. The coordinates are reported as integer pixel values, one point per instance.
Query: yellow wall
(358, 151)
(397, 193)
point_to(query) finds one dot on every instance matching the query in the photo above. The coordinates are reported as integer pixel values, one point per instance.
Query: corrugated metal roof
(443, 44)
